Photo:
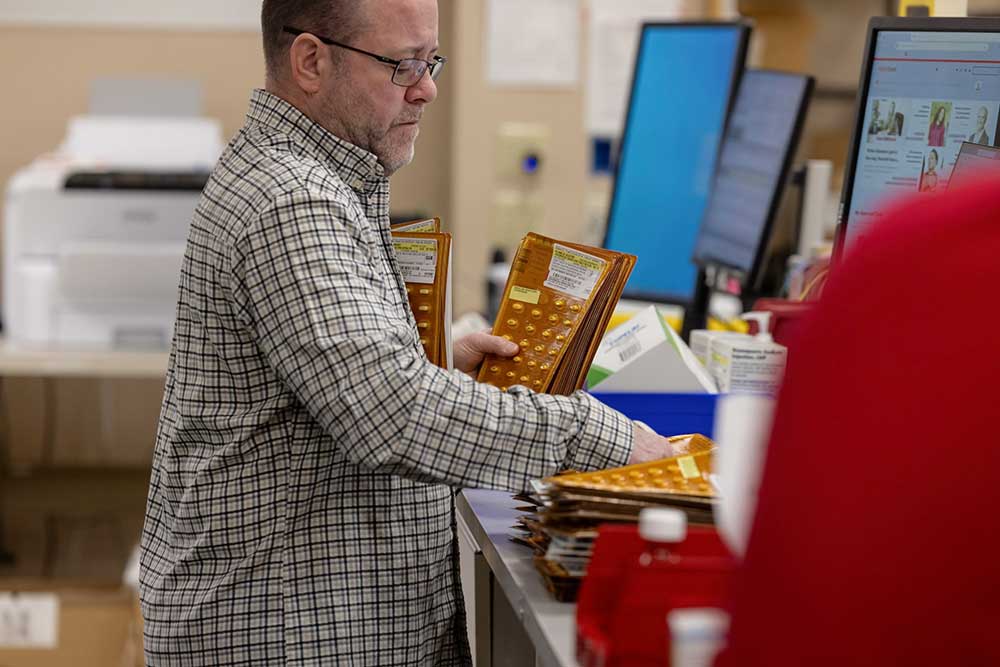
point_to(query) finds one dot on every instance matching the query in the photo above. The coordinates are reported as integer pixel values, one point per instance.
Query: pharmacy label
(573, 272)
(417, 259)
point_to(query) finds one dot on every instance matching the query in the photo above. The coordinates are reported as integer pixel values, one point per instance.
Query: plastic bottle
(660, 527)
(696, 635)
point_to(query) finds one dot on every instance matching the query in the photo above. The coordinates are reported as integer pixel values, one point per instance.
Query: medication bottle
(696, 635)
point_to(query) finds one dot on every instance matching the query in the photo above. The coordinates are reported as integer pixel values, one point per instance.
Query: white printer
(94, 235)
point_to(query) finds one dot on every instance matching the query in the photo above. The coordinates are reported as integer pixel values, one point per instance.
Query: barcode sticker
(627, 353)
(29, 621)
(417, 259)
(573, 272)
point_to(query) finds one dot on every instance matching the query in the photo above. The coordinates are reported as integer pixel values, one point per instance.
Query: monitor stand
(696, 313)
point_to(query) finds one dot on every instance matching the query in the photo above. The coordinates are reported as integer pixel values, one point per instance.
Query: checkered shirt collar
(355, 166)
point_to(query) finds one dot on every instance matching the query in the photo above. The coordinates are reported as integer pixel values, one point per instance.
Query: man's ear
(306, 62)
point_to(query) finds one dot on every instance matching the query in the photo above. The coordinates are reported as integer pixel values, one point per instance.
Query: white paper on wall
(614, 40)
(533, 43)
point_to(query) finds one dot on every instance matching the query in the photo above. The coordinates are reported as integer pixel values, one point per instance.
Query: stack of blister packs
(566, 510)
(557, 304)
(423, 253)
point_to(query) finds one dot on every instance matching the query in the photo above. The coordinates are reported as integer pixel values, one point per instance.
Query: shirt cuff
(605, 440)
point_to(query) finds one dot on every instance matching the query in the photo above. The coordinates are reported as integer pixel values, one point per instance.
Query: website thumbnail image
(912, 144)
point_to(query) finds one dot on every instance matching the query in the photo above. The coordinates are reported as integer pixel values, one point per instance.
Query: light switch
(521, 150)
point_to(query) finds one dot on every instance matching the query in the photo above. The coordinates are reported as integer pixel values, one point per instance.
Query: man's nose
(424, 91)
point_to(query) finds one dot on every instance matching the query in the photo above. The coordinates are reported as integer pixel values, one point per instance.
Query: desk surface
(550, 624)
(23, 360)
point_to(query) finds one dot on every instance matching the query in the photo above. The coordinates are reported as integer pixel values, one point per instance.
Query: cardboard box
(70, 624)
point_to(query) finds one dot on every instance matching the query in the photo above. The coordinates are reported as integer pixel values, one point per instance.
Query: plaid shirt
(301, 502)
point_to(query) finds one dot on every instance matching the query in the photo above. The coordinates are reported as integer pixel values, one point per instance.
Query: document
(533, 43)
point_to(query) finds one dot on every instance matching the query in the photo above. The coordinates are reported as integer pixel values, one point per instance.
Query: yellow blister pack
(424, 261)
(557, 302)
(686, 474)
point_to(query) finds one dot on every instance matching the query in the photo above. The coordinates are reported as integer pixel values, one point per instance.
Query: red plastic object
(785, 317)
(631, 585)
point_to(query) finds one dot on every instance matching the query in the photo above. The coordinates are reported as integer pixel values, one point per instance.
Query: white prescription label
(29, 621)
(417, 259)
(573, 272)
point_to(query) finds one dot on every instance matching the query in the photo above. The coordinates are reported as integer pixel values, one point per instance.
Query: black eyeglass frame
(434, 66)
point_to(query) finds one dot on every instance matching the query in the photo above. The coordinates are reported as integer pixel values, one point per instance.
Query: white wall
(186, 14)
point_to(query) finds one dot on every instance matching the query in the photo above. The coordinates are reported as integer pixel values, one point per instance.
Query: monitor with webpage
(927, 86)
(685, 75)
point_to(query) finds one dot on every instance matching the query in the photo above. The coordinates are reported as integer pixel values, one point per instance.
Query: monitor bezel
(743, 35)
(877, 25)
(751, 276)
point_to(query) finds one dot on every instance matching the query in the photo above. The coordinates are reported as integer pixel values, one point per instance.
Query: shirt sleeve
(307, 282)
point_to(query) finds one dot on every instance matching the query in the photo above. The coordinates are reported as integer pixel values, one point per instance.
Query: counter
(513, 619)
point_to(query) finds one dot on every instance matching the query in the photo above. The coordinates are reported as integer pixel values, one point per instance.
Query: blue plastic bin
(667, 414)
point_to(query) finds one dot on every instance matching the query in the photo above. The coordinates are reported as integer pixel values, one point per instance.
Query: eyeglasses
(408, 72)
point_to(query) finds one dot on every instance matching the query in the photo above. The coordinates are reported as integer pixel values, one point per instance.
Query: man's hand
(469, 351)
(649, 446)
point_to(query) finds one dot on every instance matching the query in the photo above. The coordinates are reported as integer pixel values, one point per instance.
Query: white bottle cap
(663, 525)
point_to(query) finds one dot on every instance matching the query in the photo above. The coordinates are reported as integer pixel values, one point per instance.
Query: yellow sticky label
(524, 294)
(588, 262)
(415, 245)
(688, 467)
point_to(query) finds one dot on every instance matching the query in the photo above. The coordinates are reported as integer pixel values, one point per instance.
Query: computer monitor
(683, 82)
(757, 151)
(927, 86)
(975, 162)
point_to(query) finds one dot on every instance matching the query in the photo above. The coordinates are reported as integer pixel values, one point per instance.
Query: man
(301, 502)
(980, 136)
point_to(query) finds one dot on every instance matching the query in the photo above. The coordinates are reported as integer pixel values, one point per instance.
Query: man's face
(981, 118)
(360, 102)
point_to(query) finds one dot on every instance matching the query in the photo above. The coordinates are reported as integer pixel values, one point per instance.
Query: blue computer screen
(684, 76)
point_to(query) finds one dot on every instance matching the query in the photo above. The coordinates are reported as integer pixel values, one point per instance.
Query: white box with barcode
(645, 355)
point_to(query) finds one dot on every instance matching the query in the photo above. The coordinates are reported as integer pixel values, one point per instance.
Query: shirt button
(357, 184)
